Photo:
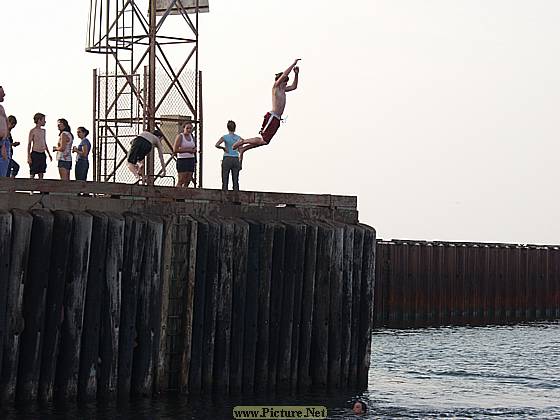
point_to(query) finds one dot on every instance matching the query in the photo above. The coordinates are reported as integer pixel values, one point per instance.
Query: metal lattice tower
(151, 79)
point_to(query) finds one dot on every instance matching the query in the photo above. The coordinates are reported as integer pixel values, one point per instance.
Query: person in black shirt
(13, 167)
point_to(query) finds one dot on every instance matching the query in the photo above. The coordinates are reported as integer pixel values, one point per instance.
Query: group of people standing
(185, 149)
(37, 149)
(184, 146)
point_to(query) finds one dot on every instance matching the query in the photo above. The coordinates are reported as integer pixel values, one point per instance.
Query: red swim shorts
(270, 126)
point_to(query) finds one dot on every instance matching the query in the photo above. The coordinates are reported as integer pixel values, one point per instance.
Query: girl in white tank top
(185, 148)
(186, 142)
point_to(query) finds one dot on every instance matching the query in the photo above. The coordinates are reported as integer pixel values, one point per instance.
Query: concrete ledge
(80, 195)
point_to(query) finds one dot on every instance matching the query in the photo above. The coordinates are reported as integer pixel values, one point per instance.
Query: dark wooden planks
(60, 259)
(266, 257)
(111, 308)
(89, 356)
(33, 305)
(66, 378)
(187, 299)
(19, 253)
(239, 296)
(135, 241)
(147, 310)
(222, 349)
(366, 306)
(5, 252)
(199, 307)
(320, 333)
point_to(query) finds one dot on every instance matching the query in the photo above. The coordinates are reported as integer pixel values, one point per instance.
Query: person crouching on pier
(185, 148)
(141, 146)
(64, 149)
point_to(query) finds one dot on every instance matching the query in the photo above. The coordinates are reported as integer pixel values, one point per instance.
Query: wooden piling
(111, 308)
(190, 227)
(222, 350)
(251, 306)
(146, 310)
(286, 319)
(147, 307)
(320, 333)
(239, 292)
(195, 371)
(160, 304)
(161, 354)
(308, 298)
(266, 257)
(134, 243)
(335, 308)
(60, 259)
(276, 294)
(299, 303)
(89, 355)
(19, 253)
(178, 278)
(33, 306)
(357, 267)
(5, 251)
(291, 304)
(211, 303)
(68, 363)
(366, 306)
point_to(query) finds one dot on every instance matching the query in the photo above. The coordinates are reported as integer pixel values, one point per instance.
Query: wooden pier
(114, 290)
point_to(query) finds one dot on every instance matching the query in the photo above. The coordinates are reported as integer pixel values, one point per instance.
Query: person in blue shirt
(82, 152)
(230, 162)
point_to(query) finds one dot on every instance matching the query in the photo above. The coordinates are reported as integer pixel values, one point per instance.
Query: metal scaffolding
(151, 79)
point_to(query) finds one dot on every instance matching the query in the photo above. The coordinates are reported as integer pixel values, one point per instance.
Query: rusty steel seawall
(419, 283)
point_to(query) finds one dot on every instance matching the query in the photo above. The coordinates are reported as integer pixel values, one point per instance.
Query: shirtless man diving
(272, 119)
(3, 119)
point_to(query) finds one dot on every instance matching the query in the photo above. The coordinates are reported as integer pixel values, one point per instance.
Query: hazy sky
(440, 115)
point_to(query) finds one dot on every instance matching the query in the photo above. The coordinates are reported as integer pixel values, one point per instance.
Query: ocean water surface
(457, 372)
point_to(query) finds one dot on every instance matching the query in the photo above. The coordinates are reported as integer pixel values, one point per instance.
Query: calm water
(483, 372)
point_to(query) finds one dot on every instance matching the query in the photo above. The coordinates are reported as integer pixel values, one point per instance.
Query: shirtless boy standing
(272, 119)
(37, 147)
